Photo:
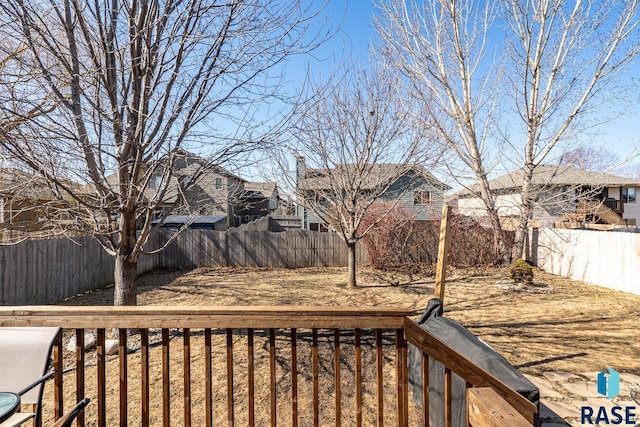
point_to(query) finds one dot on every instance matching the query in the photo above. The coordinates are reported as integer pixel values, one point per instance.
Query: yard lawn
(557, 325)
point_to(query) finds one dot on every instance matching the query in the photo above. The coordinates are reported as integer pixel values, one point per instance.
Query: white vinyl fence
(604, 258)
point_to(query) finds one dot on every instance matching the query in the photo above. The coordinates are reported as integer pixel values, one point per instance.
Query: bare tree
(562, 66)
(597, 159)
(358, 143)
(632, 171)
(135, 85)
(442, 48)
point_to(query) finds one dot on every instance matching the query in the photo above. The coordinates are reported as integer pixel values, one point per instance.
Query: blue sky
(353, 18)
(621, 136)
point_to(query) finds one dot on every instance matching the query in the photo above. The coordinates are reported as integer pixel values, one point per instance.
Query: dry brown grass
(576, 327)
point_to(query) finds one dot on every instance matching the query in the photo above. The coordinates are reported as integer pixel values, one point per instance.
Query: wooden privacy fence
(290, 249)
(258, 366)
(48, 271)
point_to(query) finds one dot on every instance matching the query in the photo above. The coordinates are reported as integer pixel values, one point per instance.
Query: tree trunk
(126, 268)
(125, 273)
(526, 207)
(499, 244)
(351, 262)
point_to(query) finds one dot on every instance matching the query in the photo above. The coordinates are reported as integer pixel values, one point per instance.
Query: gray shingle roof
(555, 176)
(193, 219)
(378, 174)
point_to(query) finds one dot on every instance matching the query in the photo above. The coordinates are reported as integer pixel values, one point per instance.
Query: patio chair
(67, 419)
(25, 355)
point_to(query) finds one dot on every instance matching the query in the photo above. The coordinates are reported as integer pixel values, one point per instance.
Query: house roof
(554, 176)
(379, 174)
(18, 183)
(192, 219)
(185, 164)
(260, 189)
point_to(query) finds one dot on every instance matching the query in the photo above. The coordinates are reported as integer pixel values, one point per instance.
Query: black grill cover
(462, 340)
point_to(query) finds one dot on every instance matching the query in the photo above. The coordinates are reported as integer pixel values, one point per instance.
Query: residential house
(417, 192)
(562, 194)
(217, 192)
(256, 200)
(28, 203)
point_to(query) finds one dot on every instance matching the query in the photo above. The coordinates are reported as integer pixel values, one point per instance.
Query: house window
(628, 195)
(422, 197)
(318, 226)
(218, 183)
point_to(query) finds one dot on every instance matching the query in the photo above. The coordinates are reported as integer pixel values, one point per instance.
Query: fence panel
(604, 258)
(291, 249)
(47, 271)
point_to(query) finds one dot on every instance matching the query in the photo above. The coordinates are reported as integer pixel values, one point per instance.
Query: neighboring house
(256, 200)
(562, 193)
(28, 203)
(417, 192)
(216, 192)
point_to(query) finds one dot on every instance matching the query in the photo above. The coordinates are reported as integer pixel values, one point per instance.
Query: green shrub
(521, 272)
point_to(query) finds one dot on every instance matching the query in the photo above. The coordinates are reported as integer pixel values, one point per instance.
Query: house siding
(426, 212)
(554, 204)
(404, 188)
(307, 216)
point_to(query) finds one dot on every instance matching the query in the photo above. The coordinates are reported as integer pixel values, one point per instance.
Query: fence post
(443, 249)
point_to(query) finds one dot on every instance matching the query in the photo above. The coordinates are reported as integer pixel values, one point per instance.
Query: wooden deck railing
(255, 366)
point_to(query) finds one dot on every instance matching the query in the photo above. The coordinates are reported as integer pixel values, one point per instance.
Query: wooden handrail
(466, 369)
(387, 321)
(259, 317)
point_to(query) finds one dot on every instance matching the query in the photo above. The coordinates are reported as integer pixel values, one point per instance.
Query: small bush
(521, 272)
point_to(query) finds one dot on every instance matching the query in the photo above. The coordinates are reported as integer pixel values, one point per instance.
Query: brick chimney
(301, 167)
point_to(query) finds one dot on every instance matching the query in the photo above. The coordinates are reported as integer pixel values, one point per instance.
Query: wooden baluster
(405, 377)
(316, 383)
(187, 376)
(272, 373)
(379, 377)
(102, 378)
(230, 413)
(250, 378)
(400, 378)
(425, 389)
(80, 372)
(358, 375)
(166, 379)
(448, 412)
(58, 409)
(208, 372)
(144, 362)
(338, 383)
(122, 352)
(294, 378)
